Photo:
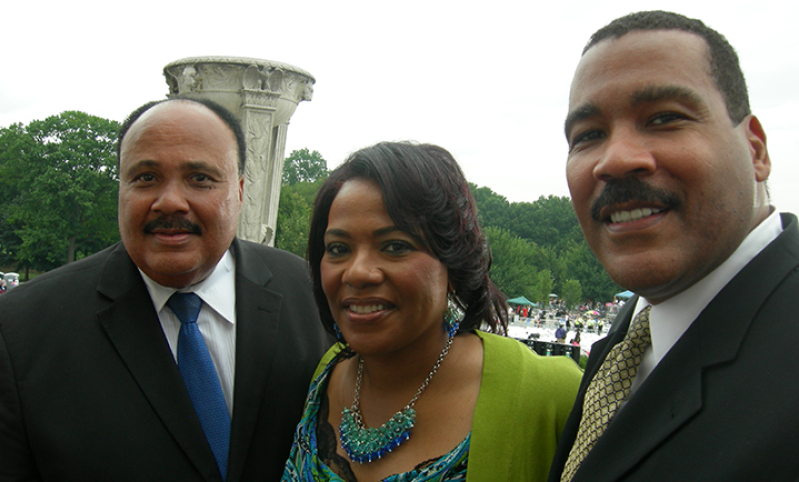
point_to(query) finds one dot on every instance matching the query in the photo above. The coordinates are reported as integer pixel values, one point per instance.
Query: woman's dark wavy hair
(427, 196)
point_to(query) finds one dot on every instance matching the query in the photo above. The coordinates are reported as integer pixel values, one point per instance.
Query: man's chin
(170, 270)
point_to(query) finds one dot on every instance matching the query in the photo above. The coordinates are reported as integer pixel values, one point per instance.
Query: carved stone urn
(263, 95)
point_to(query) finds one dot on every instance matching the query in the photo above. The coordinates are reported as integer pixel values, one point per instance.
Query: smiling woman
(414, 391)
(365, 249)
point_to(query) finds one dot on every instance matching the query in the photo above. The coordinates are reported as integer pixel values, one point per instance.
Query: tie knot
(186, 306)
(639, 328)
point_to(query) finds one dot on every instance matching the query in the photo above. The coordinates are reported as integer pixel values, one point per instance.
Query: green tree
(549, 221)
(517, 265)
(542, 287)
(303, 174)
(14, 142)
(579, 263)
(571, 292)
(492, 209)
(304, 166)
(65, 173)
(294, 216)
(550, 224)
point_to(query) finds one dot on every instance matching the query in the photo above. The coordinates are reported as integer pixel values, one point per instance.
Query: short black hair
(427, 196)
(725, 69)
(227, 117)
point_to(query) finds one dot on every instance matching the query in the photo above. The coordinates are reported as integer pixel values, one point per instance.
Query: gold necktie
(609, 387)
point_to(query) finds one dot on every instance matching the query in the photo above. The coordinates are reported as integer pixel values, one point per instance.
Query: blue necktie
(199, 375)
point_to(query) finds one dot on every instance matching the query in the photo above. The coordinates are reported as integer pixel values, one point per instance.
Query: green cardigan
(522, 407)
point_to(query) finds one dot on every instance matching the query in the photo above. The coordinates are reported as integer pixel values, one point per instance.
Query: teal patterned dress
(305, 465)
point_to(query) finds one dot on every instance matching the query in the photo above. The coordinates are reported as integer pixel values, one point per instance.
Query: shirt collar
(214, 289)
(670, 319)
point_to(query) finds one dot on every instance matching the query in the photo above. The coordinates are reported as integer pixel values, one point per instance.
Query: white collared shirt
(671, 318)
(217, 319)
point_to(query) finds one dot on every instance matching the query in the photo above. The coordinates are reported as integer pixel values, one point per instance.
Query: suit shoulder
(72, 278)
(268, 253)
(282, 266)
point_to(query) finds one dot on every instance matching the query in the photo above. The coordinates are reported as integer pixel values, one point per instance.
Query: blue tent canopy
(625, 295)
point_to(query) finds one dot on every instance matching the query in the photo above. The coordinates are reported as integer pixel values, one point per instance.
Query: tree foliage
(60, 184)
(519, 266)
(303, 166)
(294, 216)
(571, 292)
(303, 174)
(492, 209)
(579, 263)
(549, 221)
(548, 227)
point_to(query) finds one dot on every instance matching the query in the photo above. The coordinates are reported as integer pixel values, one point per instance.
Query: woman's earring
(339, 336)
(453, 316)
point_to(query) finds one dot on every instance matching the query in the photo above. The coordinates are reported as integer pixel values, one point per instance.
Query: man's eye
(199, 177)
(586, 136)
(146, 177)
(665, 118)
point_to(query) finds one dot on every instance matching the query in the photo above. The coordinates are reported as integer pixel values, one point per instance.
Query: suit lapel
(257, 330)
(599, 351)
(672, 394)
(132, 326)
(668, 399)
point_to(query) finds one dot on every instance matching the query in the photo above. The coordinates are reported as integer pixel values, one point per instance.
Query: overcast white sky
(489, 81)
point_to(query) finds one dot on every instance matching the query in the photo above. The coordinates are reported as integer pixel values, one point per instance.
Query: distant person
(560, 334)
(667, 169)
(400, 273)
(104, 373)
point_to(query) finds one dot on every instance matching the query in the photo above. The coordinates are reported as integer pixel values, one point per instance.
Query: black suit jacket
(89, 390)
(723, 403)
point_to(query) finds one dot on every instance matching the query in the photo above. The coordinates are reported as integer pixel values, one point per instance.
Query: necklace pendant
(364, 444)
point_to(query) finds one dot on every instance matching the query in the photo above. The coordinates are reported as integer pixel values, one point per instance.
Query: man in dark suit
(667, 168)
(89, 385)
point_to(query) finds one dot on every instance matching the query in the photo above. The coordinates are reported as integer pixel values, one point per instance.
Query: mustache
(618, 191)
(172, 223)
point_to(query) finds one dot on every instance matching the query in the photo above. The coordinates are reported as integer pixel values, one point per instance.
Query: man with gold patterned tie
(667, 168)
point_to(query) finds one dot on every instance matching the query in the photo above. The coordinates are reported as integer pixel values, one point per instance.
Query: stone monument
(263, 95)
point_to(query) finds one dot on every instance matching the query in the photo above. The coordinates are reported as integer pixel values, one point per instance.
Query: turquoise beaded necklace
(364, 444)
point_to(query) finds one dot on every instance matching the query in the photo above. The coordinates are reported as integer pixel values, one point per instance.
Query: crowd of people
(184, 353)
(8, 281)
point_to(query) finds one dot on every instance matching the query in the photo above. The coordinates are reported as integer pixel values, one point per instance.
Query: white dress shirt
(217, 319)
(669, 319)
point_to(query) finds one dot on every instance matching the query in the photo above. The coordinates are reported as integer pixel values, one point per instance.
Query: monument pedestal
(263, 95)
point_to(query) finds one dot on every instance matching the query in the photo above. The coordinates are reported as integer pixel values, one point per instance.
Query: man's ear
(757, 147)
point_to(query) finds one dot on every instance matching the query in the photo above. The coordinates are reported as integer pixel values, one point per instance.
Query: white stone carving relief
(263, 95)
